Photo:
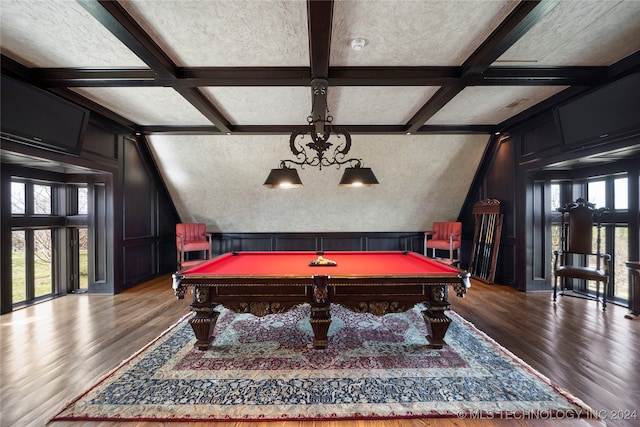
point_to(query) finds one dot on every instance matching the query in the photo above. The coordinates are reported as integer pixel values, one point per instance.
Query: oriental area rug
(374, 367)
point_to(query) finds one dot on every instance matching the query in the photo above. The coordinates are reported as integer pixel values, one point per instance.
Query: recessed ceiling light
(357, 44)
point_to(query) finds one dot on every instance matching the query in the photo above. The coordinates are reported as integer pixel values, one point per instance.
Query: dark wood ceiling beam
(338, 76)
(393, 76)
(97, 77)
(287, 129)
(540, 76)
(14, 68)
(456, 129)
(122, 25)
(118, 21)
(245, 76)
(319, 19)
(435, 104)
(202, 103)
(524, 16)
(180, 130)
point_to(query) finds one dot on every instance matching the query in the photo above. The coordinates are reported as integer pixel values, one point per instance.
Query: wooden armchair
(576, 245)
(446, 236)
(192, 237)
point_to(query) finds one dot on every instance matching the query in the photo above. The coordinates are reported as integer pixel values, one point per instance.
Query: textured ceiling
(218, 180)
(449, 73)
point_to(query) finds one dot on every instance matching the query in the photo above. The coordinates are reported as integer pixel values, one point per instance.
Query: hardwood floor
(53, 351)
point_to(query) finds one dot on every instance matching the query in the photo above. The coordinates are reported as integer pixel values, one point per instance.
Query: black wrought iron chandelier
(319, 151)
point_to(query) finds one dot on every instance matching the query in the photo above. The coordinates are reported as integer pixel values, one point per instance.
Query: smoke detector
(357, 44)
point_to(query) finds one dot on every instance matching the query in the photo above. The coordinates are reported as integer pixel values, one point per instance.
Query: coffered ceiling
(235, 66)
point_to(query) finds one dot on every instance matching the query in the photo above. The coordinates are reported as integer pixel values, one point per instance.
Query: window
(620, 255)
(83, 256)
(31, 265)
(18, 266)
(620, 194)
(597, 193)
(50, 255)
(33, 245)
(42, 199)
(555, 197)
(18, 194)
(42, 263)
(83, 201)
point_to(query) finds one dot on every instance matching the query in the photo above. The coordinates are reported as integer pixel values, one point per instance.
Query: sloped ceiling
(419, 184)
(216, 86)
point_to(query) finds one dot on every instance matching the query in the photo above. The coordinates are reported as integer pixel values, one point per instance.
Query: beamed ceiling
(190, 73)
(427, 67)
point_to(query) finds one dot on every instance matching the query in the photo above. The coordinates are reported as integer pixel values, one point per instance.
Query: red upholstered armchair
(446, 236)
(192, 237)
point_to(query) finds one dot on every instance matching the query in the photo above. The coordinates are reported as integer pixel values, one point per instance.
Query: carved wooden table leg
(320, 312)
(205, 319)
(436, 321)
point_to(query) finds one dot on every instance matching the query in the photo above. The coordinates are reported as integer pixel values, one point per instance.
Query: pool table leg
(320, 312)
(204, 322)
(436, 321)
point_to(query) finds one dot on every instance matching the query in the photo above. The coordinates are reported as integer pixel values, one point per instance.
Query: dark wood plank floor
(53, 351)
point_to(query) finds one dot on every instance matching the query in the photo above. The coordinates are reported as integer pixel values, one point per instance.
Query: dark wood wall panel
(383, 241)
(538, 241)
(100, 142)
(166, 255)
(100, 280)
(346, 243)
(539, 138)
(239, 243)
(293, 243)
(500, 184)
(138, 194)
(138, 262)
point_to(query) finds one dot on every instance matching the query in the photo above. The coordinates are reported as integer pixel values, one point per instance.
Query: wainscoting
(390, 241)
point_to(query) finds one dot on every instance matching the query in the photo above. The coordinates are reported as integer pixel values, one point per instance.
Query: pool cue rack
(486, 239)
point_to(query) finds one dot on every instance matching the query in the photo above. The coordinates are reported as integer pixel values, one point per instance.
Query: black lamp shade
(283, 178)
(358, 177)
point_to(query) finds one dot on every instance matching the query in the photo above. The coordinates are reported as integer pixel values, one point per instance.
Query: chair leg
(555, 287)
(604, 295)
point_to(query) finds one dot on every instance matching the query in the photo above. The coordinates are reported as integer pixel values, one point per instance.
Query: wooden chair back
(577, 238)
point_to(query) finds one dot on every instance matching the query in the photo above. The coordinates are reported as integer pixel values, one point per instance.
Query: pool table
(264, 283)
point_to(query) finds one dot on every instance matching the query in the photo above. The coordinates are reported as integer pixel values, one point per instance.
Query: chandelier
(319, 151)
